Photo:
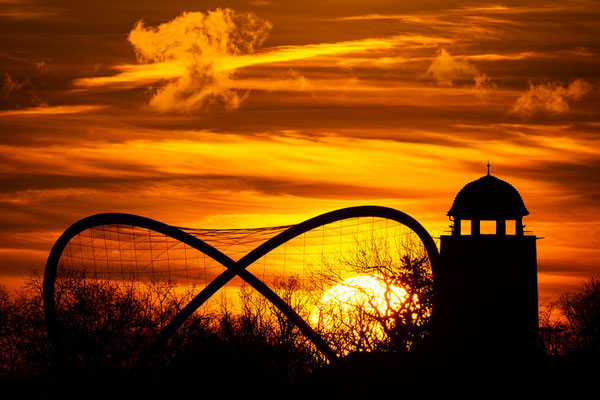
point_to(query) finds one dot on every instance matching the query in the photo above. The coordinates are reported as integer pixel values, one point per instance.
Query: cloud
(550, 98)
(16, 92)
(194, 43)
(135, 75)
(483, 85)
(42, 67)
(53, 110)
(260, 3)
(21, 10)
(445, 69)
(188, 72)
(9, 85)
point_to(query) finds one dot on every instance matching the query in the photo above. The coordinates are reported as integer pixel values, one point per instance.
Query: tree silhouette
(23, 344)
(400, 309)
(553, 336)
(105, 325)
(581, 310)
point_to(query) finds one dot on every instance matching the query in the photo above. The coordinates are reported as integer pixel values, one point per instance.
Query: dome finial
(488, 166)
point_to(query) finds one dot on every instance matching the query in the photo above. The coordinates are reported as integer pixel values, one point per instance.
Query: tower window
(488, 227)
(511, 227)
(465, 227)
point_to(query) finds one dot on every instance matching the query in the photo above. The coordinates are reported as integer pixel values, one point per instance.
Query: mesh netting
(125, 252)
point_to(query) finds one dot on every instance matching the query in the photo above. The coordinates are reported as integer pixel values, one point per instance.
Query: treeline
(107, 325)
(570, 326)
(249, 347)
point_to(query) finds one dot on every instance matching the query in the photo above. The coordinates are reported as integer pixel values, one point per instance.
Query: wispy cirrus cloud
(134, 75)
(23, 10)
(50, 110)
(191, 60)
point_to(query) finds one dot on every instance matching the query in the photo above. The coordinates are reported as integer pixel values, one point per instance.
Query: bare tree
(554, 338)
(581, 310)
(391, 317)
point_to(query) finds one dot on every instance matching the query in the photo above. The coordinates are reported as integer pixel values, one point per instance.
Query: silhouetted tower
(487, 284)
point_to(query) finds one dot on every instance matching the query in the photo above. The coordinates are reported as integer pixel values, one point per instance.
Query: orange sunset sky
(229, 114)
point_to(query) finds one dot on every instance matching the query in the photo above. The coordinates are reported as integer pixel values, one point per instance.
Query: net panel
(130, 253)
(236, 243)
(307, 269)
(327, 244)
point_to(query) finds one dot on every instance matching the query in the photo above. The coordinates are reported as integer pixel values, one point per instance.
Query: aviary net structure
(301, 270)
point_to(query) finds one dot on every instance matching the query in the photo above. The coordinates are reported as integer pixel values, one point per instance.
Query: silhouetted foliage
(106, 325)
(571, 325)
(395, 316)
(581, 311)
(23, 343)
(242, 348)
(553, 335)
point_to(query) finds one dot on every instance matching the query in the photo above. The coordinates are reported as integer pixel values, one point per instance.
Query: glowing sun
(346, 303)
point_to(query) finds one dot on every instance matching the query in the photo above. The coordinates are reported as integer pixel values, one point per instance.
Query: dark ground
(410, 376)
(359, 376)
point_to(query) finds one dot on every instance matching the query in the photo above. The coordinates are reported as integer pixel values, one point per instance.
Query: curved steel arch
(232, 267)
(107, 219)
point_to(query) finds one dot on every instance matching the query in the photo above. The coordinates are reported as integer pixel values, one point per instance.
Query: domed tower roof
(488, 198)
